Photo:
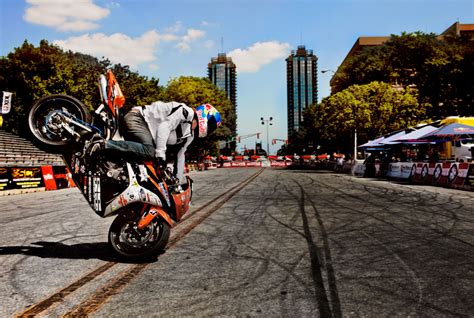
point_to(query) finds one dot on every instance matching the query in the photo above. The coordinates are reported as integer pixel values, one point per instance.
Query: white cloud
(65, 15)
(118, 47)
(190, 36)
(167, 37)
(178, 26)
(209, 24)
(183, 46)
(250, 60)
(193, 35)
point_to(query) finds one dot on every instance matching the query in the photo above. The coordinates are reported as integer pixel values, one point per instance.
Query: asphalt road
(289, 244)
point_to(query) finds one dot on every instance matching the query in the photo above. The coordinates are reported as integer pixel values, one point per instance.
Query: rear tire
(136, 244)
(45, 106)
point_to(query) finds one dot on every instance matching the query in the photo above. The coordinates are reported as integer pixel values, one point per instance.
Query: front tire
(130, 242)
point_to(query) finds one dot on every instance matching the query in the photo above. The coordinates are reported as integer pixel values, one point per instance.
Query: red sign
(48, 178)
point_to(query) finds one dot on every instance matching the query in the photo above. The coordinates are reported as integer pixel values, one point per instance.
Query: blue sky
(170, 38)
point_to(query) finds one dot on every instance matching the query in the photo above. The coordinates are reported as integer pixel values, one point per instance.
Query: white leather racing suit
(170, 124)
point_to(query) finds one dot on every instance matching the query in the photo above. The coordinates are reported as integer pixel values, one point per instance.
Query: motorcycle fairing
(161, 186)
(132, 194)
(182, 201)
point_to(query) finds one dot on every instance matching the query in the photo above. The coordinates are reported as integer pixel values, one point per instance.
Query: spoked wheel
(131, 242)
(44, 120)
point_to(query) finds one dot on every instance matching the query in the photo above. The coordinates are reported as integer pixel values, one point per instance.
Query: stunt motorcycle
(147, 201)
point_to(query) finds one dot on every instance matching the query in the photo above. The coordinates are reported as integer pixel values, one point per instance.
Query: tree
(441, 69)
(33, 72)
(195, 91)
(373, 109)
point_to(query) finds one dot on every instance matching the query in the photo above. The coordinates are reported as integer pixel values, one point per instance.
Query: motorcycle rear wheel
(132, 243)
(46, 106)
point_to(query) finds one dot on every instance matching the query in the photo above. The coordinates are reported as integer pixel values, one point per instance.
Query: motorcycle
(147, 201)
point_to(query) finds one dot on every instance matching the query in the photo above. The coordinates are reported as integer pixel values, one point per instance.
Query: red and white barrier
(457, 173)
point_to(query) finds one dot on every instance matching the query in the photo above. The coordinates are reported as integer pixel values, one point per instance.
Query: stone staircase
(19, 152)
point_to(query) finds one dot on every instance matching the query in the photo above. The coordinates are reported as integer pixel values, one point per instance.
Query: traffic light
(258, 135)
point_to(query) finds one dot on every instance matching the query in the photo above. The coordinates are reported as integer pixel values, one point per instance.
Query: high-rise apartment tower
(222, 73)
(302, 85)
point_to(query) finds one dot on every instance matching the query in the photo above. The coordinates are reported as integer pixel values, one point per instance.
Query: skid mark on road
(408, 269)
(335, 309)
(377, 207)
(319, 259)
(414, 242)
(94, 302)
(59, 296)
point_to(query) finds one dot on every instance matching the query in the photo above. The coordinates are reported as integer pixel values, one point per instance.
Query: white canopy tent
(392, 140)
(412, 138)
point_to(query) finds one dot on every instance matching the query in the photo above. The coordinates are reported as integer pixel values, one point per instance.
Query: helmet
(208, 119)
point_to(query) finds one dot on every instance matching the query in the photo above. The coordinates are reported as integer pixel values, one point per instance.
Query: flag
(6, 102)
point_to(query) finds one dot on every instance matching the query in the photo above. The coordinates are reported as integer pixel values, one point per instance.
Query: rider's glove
(161, 163)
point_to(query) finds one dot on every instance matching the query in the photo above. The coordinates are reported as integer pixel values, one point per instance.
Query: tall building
(222, 73)
(302, 85)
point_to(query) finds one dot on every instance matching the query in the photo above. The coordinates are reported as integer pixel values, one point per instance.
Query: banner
(4, 178)
(6, 102)
(20, 178)
(26, 178)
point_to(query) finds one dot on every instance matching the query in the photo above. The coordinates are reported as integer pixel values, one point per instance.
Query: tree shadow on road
(43, 249)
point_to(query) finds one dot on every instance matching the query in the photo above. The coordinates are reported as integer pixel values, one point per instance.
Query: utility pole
(267, 122)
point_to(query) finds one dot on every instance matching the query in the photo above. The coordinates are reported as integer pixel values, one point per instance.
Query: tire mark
(100, 297)
(383, 209)
(407, 268)
(335, 301)
(412, 274)
(59, 296)
(124, 279)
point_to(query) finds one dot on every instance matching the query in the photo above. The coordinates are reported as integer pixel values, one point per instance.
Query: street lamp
(328, 70)
(268, 122)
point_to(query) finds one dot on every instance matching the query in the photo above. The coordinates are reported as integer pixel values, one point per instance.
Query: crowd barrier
(446, 174)
(450, 174)
(57, 178)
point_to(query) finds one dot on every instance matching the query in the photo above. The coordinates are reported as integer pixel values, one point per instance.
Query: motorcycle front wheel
(46, 107)
(133, 243)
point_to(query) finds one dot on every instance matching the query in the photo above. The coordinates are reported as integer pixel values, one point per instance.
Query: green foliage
(441, 69)
(32, 72)
(194, 91)
(373, 109)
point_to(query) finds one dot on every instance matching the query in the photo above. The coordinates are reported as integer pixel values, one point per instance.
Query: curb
(21, 191)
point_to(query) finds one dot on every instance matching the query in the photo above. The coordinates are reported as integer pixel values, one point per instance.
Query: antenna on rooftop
(222, 44)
